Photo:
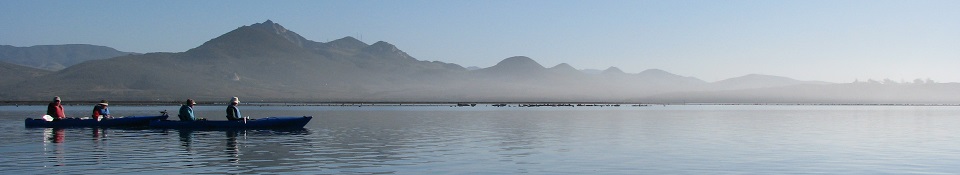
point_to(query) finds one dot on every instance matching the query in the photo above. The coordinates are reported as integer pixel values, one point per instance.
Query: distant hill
(592, 71)
(847, 93)
(56, 57)
(267, 62)
(262, 61)
(755, 81)
(13, 73)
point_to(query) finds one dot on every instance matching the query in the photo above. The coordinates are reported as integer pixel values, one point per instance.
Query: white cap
(235, 100)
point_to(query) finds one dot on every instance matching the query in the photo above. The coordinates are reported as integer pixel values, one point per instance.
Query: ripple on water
(713, 140)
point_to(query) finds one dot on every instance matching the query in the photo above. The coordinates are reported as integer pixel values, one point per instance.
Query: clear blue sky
(833, 40)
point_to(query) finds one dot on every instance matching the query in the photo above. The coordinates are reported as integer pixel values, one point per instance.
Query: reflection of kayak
(269, 122)
(128, 121)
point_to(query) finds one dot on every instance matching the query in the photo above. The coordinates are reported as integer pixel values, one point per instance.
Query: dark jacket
(186, 113)
(233, 113)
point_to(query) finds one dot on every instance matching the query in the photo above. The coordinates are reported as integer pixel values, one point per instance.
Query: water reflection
(186, 138)
(55, 135)
(510, 142)
(232, 147)
(242, 151)
(99, 133)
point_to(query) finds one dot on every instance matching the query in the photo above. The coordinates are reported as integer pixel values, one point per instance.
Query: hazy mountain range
(56, 57)
(267, 62)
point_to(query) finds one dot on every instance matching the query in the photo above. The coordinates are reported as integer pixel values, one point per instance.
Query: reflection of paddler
(57, 135)
(97, 133)
(186, 137)
(233, 147)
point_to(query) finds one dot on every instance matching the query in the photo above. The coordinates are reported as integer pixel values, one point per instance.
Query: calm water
(489, 140)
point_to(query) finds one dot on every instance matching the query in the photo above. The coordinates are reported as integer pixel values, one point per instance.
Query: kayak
(128, 121)
(261, 123)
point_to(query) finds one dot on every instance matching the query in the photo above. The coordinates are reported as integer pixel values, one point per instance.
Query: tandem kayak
(128, 121)
(261, 123)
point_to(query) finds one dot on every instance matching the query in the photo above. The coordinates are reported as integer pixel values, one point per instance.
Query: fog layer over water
(488, 140)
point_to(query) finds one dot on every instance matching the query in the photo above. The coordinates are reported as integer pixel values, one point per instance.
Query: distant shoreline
(469, 104)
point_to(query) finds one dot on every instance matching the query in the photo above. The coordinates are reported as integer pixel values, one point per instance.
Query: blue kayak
(261, 123)
(128, 121)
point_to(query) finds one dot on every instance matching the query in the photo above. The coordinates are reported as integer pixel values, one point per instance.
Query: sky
(833, 40)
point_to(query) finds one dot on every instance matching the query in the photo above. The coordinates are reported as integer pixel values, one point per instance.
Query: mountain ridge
(267, 62)
(56, 57)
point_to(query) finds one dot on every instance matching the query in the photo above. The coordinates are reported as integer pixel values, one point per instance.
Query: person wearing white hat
(233, 114)
(55, 109)
(100, 110)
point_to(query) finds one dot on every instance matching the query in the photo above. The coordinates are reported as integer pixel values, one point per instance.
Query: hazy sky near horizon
(832, 40)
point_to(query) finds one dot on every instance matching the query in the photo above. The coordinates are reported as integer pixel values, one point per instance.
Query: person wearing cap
(186, 111)
(233, 114)
(55, 109)
(100, 110)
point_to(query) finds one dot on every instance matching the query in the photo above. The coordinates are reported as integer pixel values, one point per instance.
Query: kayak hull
(262, 123)
(129, 121)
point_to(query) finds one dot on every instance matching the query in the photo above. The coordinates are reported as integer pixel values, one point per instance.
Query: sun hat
(56, 98)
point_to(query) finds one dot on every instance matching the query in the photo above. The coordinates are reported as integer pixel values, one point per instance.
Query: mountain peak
(278, 29)
(516, 64)
(383, 45)
(519, 61)
(386, 50)
(347, 43)
(613, 71)
(564, 68)
(655, 71)
(259, 38)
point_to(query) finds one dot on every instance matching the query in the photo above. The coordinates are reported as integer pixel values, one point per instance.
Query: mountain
(847, 93)
(56, 57)
(592, 71)
(613, 71)
(345, 46)
(516, 64)
(267, 62)
(564, 69)
(262, 61)
(661, 76)
(13, 73)
(755, 81)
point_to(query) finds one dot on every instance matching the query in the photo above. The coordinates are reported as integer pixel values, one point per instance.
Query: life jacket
(96, 112)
